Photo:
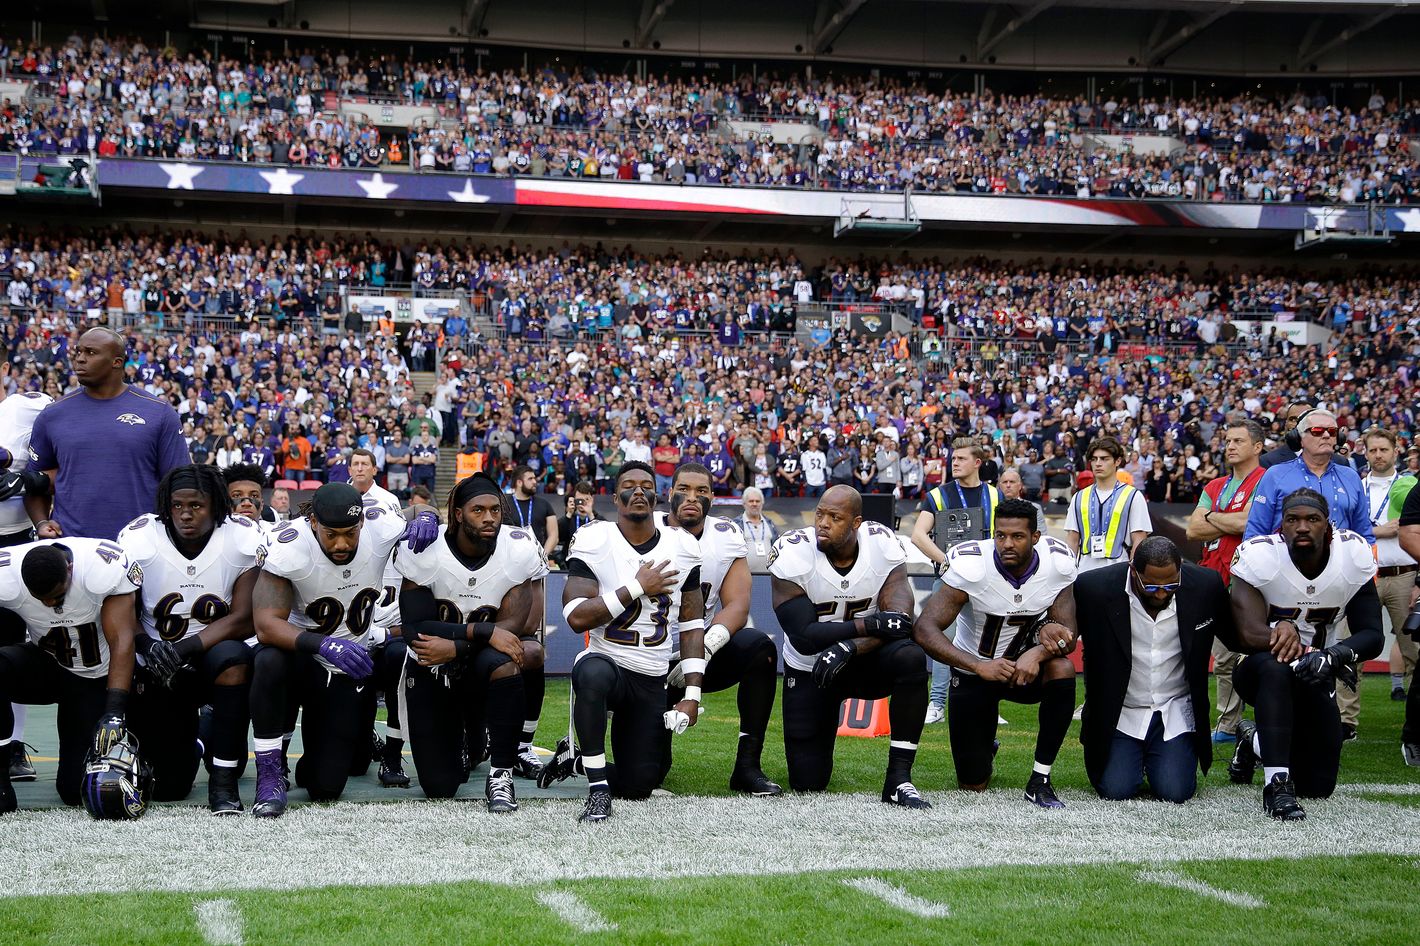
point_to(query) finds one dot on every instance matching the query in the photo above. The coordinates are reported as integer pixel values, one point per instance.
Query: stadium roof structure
(1209, 37)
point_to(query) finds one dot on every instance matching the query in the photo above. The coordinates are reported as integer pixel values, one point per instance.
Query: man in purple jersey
(105, 447)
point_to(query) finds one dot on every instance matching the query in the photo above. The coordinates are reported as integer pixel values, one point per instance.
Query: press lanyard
(1385, 500)
(524, 518)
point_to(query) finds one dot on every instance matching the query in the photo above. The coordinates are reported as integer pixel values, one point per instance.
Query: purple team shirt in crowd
(111, 454)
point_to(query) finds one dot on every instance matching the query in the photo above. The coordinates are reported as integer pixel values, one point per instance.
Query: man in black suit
(1146, 670)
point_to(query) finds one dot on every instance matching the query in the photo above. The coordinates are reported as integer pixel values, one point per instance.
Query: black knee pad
(486, 661)
(594, 674)
(908, 663)
(225, 655)
(270, 660)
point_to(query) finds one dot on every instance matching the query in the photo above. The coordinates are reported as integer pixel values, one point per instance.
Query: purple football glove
(421, 532)
(348, 657)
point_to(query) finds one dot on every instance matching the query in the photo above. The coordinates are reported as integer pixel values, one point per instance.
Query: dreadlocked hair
(202, 477)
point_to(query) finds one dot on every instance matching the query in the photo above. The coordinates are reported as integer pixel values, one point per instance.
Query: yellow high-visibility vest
(939, 502)
(1112, 533)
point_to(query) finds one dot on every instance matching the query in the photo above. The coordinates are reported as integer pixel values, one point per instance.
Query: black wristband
(142, 644)
(115, 702)
(189, 648)
(461, 649)
(481, 633)
(308, 642)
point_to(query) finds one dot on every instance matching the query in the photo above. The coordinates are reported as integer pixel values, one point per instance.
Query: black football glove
(108, 733)
(1322, 667)
(831, 662)
(888, 625)
(1412, 623)
(163, 662)
(23, 482)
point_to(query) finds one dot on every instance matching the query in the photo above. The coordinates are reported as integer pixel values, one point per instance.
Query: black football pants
(1298, 724)
(29, 675)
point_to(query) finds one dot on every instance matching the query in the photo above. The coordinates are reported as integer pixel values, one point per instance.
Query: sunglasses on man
(1154, 589)
(1322, 432)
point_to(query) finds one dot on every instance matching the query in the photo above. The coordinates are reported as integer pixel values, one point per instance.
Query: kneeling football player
(1291, 588)
(629, 582)
(463, 604)
(320, 580)
(842, 597)
(736, 655)
(1015, 582)
(76, 597)
(199, 564)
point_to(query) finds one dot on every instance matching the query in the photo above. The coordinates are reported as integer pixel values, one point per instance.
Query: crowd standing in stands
(122, 98)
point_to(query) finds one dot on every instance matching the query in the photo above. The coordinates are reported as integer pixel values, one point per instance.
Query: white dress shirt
(1157, 683)
(1388, 551)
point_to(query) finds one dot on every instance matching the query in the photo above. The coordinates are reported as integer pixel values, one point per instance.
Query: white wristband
(614, 607)
(692, 693)
(696, 625)
(716, 636)
(692, 665)
(634, 589)
(571, 606)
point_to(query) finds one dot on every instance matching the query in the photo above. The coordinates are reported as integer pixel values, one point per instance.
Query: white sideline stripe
(852, 835)
(1170, 878)
(571, 910)
(220, 922)
(895, 896)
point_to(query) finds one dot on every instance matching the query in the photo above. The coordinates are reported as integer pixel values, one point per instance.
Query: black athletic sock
(756, 696)
(394, 753)
(1057, 708)
(907, 710)
(534, 689)
(230, 712)
(900, 759)
(749, 751)
(505, 720)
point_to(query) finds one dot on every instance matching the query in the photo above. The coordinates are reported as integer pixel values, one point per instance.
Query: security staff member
(1107, 519)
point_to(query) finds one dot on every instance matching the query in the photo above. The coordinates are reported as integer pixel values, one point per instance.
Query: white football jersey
(468, 596)
(638, 639)
(1315, 605)
(330, 599)
(838, 597)
(387, 608)
(71, 633)
(17, 419)
(720, 545)
(182, 595)
(1001, 608)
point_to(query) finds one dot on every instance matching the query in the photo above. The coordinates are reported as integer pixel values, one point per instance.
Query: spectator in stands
(760, 534)
(424, 459)
(397, 461)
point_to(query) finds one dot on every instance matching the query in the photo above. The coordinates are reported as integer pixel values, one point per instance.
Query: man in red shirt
(1219, 521)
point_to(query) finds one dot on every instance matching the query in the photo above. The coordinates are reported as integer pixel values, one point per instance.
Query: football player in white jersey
(244, 485)
(464, 603)
(1011, 586)
(199, 566)
(17, 419)
(630, 583)
(76, 597)
(842, 597)
(736, 654)
(1292, 589)
(321, 578)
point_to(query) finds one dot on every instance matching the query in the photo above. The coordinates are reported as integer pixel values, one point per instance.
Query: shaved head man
(104, 447)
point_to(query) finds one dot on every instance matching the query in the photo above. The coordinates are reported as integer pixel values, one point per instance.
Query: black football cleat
(21, 768)
(527, 765)
(1041, 793)
(1348, 732)
(565, 763)
(598, 806)
(1279, 799)
(499, 792)
(8, 802)
(1244, 762)
(392, 774)
(222, 795)
(754, 782)
(905, 795)
(1410, 752)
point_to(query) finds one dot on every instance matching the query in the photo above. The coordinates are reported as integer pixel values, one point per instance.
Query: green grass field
(705, 866)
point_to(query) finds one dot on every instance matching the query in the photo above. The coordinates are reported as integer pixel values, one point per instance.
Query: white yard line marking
(1170, 878)
(572, 911)
(895, 896)
(220, 922)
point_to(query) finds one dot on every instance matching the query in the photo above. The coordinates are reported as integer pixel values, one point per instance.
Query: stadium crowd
(121, 97)
(619, 380)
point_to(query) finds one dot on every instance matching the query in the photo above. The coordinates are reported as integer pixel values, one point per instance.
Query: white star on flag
(180, 176)
(376, 188)
(1325, 218)
(1409, 220)
(281, 181)
(467, 196)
